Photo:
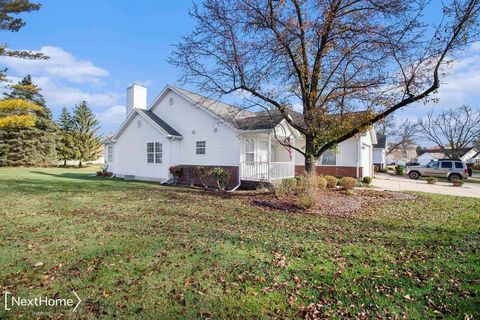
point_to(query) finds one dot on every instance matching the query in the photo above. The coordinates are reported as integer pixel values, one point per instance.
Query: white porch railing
(264, 170)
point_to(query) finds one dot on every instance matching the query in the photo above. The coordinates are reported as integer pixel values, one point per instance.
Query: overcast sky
(97, 48)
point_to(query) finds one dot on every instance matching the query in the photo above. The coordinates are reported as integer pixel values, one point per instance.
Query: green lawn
(140, 250)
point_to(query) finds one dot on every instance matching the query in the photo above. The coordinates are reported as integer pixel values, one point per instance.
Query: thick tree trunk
(310, 161)
(80, 164)
(64, 163)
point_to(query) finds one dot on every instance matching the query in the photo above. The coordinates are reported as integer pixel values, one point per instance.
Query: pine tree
(86, 142)
(28, 145)
(65, 145)
(16, 112)
(10, 21)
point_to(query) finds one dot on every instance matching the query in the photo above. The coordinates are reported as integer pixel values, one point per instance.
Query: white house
(380, 151)
(469, 155)
(187, 129)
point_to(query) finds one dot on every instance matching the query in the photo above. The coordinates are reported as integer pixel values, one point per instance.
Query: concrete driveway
(403, 183)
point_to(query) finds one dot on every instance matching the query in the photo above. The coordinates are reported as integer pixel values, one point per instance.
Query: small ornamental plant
(204, 173)
(176, 172)
(349, 184)
(457, 183)
(367, 180)
(399, 170)
(321, 182)
(331, 182)
(431, 180)
(222, 177)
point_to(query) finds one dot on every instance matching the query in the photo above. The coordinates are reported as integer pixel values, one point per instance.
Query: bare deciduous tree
(404, 137)
(333, 57)
(454, 129)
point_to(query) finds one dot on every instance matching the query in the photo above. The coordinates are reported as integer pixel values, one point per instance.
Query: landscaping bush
(399, 170)
(367, 180)
(331, 182)
(176, 172)
(204, 173)
(349, 183)
(104, 172)
(306, 200)
(222, 176)
(321, 182)
(431, 180)
(457, 183)
(306, 192)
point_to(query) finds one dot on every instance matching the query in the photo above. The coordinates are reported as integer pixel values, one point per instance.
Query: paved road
(396, 183)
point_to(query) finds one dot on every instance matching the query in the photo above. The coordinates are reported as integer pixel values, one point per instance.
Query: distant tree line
(41, 141)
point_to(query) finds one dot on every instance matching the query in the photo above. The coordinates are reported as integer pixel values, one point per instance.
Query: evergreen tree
(65, 145)
(16, 112)
(28, 145)
(86, 142)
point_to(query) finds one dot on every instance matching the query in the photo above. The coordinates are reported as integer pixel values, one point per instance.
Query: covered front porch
(264, 158)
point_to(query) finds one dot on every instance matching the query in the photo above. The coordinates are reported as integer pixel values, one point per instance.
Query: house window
(329, 158)
(109, 153)
(249, 150)
(201, 147)
(154, 152)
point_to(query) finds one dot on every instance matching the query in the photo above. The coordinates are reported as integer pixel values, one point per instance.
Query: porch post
(269, 153)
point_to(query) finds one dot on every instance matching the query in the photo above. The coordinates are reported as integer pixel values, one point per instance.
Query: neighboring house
(402, 155)
(184, 128)
(469, 155)
(379, 152)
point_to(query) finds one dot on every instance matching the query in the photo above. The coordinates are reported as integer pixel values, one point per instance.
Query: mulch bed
(332, 202)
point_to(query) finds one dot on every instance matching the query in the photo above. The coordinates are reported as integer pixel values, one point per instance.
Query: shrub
(321, 182)
(192, 173)
(457, 183)
(331, 182)
(431, 180)
(290, 183)
(176, 172)
(306, 192)
(349, 183)
(399, 170)
(367, 180)
(222, 176)
(306, 200)
(204, 174)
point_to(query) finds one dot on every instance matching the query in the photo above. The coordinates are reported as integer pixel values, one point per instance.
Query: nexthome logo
(44, 301)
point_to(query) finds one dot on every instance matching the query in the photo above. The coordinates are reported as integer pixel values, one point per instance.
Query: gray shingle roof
(223, 110)
(381, 141)
(165, 126)
(447, 152)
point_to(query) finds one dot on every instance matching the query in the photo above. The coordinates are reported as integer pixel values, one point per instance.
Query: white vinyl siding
(195, 124)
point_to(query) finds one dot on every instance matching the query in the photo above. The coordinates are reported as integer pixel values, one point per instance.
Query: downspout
(239, 168)
(359, 155)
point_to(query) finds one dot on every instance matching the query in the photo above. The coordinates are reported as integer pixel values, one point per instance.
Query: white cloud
(461, 84)
(61, 65)
(60, 95)
(113, 115)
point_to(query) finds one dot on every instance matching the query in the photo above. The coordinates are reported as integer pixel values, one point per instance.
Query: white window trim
(157, 153)
(204, 147)
(249, 152)
(110, 151)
